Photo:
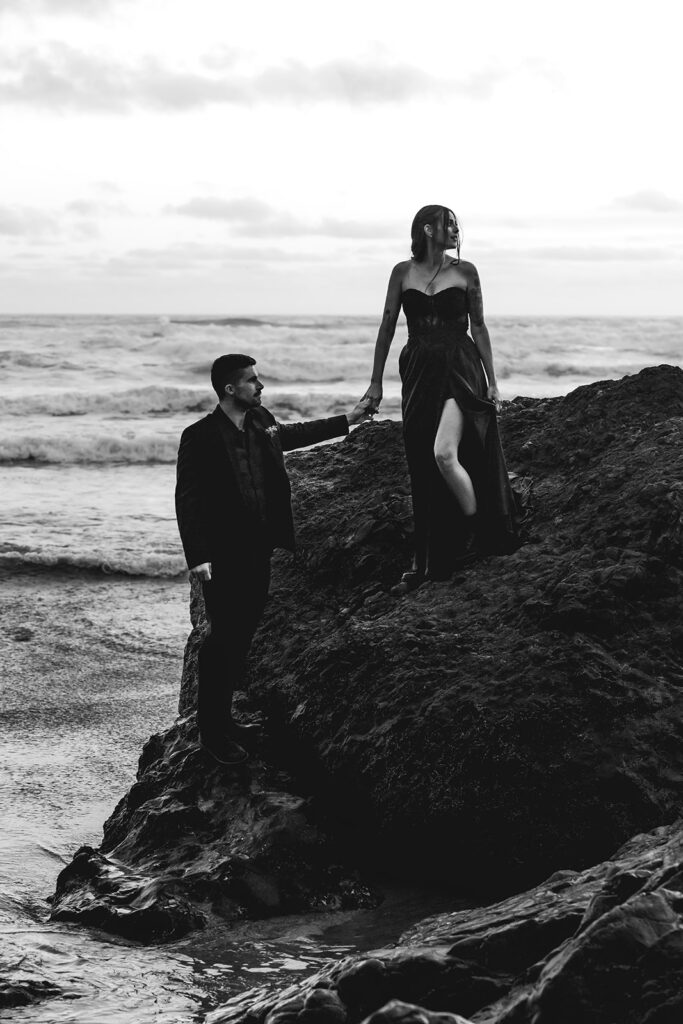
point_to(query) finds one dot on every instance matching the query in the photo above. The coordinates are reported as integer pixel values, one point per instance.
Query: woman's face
(445, 233)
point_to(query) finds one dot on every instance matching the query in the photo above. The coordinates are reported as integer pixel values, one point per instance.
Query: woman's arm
(480, 333)
(385, 335)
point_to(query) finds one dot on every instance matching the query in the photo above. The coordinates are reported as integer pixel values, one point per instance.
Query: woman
(462, 502)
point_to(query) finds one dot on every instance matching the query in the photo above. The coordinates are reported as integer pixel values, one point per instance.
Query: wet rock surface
(602, 945)
(193, 841)
(21, 988)
(523, 717)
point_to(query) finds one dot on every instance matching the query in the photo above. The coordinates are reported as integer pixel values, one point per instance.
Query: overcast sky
(206, 156)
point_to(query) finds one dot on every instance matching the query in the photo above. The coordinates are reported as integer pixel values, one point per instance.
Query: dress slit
(440, 361)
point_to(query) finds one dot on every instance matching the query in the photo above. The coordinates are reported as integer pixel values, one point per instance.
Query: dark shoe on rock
(244, 733)
(409, 581)
(469, 551)
(439, 575)
(466, 558)
(224, 750)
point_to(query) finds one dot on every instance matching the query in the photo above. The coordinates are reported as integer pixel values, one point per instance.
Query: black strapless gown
(440, 361)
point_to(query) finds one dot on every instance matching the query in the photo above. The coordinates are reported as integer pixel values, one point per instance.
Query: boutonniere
(272, 432)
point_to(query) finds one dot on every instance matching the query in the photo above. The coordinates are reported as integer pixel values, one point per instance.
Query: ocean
(94, 603)
(91, 410)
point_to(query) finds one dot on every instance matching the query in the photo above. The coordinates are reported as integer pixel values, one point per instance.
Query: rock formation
(191, 840)
(603, 946)
(524, 717)
(21, 987)
(528, 714)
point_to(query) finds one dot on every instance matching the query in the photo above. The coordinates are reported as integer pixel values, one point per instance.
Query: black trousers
(235, 598)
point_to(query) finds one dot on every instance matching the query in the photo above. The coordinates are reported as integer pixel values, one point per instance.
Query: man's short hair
(226, 368)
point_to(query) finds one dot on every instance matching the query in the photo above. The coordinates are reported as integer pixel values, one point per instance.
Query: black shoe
(244, 733)
(409, 581)
(469, 551)
(224, 751)
(439, 575)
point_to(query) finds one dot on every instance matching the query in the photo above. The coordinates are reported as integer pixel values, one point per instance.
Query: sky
(214, 157)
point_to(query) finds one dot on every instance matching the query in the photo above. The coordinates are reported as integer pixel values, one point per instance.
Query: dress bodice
(445, 309)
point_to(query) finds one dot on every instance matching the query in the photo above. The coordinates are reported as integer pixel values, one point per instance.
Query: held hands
(493, 395)
(361, 412)
(202, 572)
(374, 396)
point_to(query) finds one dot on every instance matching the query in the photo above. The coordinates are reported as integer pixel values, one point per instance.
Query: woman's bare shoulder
(467, 269)
(402, 268)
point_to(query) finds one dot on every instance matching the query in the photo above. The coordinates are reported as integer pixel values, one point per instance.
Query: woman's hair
(429, 215)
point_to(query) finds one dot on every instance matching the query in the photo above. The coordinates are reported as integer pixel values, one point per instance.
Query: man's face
(247, 388)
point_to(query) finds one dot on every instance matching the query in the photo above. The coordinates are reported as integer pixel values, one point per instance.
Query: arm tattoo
(476, 304)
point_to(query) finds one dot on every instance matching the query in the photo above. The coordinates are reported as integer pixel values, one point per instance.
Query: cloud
(336, 228)
(82, 207)
(249, 216)
(108, 187)
(94, 208)
(26, 222)
(648, 200)
(64, 78)
(199, 258)
(34, 225)
(246, 210)
(88, 8)
(595, 253)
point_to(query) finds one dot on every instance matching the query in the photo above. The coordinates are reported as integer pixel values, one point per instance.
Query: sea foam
(158, 566)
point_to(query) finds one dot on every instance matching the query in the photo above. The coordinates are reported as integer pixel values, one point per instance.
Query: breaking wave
(103, 448)
(135, 564)
(145, 401)
(140, 427)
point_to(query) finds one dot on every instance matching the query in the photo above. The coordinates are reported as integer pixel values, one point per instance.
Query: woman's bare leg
(446, 445)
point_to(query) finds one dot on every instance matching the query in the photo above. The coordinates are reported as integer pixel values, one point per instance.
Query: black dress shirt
(247, 456)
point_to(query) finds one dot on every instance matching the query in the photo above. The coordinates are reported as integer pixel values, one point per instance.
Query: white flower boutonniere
(272, 432)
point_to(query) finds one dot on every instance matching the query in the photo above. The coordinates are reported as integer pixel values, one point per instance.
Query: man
(233, 504)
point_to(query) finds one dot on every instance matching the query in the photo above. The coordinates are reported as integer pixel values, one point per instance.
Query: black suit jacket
(213, 517)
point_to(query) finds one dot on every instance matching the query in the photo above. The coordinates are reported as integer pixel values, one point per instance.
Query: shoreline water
(92, 666)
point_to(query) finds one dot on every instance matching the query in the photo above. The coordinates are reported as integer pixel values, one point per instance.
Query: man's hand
(202, 572)
(361, 413)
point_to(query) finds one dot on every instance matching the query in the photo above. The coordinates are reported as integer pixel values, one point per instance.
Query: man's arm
(300, 435)
(191, 504)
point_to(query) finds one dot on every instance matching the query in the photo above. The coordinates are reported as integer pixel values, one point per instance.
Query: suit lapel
(227, 447)
(269, 443)
(223, 428)
(269, 439)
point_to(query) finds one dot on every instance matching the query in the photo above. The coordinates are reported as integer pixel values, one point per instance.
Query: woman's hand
(361, 413)
(374, 396)
(493, 395)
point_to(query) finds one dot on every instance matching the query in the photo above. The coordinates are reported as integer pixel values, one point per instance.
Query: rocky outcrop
(21, 988)
(191, 841)
(602, 945)
(525, 716)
